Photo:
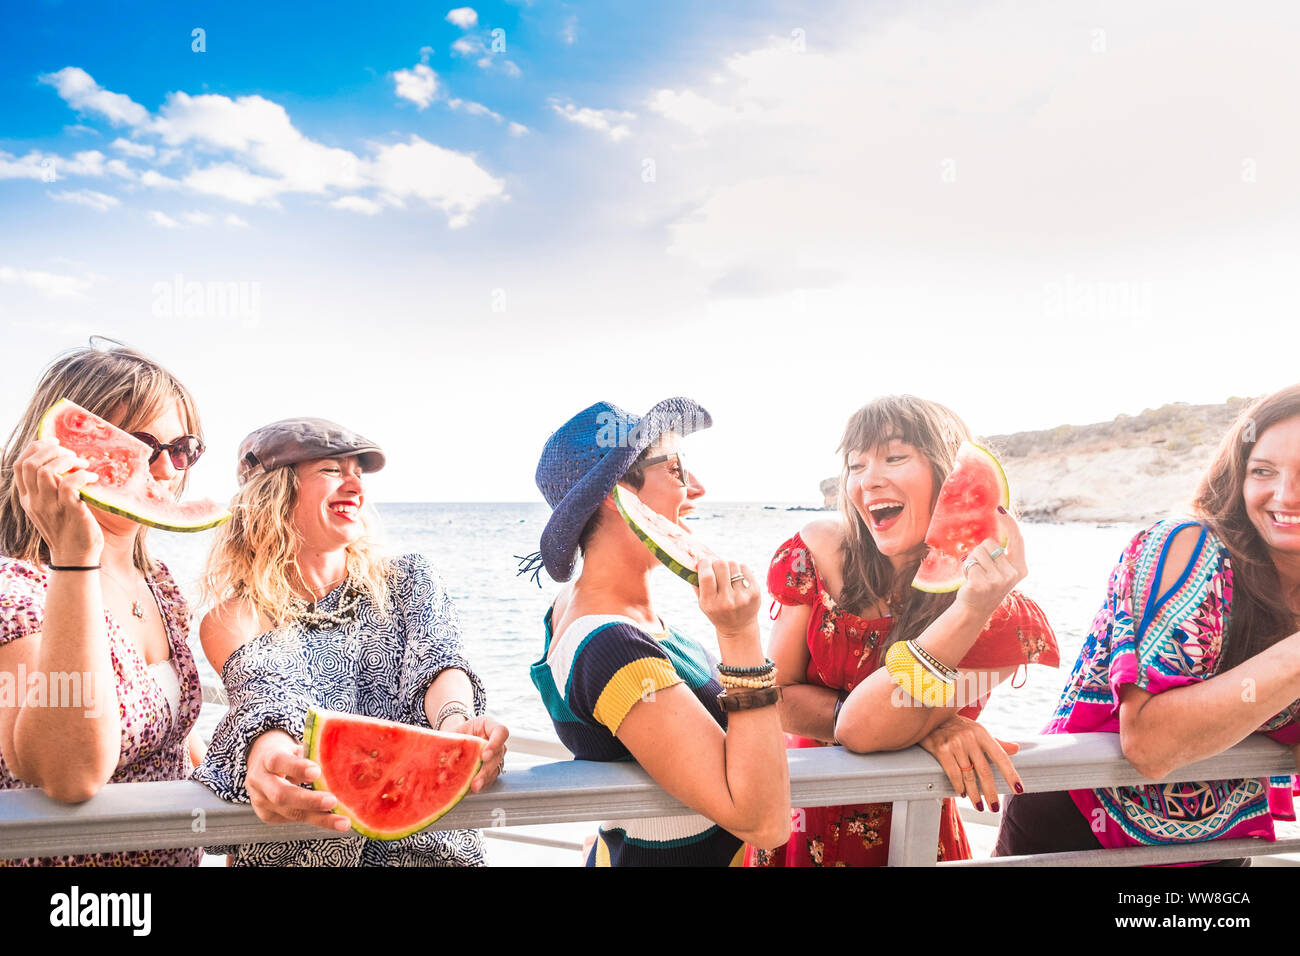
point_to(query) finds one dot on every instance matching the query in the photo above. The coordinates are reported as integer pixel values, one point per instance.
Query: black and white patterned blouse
(370, 666)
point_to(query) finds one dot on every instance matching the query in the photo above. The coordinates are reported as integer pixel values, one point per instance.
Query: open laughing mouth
(346, 509)
(884, 513)
(1285, 519)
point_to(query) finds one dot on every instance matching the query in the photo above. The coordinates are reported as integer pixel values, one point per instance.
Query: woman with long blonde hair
(307, 613)
(85, 610)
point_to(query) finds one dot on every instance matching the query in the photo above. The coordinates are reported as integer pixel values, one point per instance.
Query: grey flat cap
(304, 439)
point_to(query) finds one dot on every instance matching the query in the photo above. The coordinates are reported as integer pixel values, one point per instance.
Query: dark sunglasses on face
(184, 451)
(682, 474)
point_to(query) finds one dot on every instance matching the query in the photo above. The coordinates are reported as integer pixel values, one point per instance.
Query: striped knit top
(601, 666)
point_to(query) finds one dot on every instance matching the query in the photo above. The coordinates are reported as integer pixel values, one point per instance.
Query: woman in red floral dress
(844, 587)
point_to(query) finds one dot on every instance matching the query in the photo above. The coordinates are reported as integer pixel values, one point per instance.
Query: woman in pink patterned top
(103, 687)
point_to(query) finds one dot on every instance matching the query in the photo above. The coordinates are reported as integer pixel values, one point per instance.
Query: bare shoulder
(824, 538)
(1182, 549)
(227, 627)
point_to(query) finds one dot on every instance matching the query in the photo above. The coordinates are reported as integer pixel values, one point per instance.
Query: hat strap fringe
(531, 562)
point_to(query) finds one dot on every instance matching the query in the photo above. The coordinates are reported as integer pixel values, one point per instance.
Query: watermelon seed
(374, 753)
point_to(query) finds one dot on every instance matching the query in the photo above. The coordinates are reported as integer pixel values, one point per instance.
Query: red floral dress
(844, 651)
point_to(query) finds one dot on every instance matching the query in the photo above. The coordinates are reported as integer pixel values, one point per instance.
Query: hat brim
(559, 544)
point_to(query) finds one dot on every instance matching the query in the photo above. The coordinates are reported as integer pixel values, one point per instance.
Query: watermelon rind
(939, 584)
(678, 564)
(313, 732)
(997, 468)
(132, 509)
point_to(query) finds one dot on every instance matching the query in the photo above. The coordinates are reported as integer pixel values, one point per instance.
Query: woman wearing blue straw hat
(620, 683)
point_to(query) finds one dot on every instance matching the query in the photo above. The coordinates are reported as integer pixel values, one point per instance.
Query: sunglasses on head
(184, 451)
(683, 475)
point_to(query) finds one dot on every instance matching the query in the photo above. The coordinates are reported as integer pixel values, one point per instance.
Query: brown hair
(1260, 616)
(118, 384)
(937, 433)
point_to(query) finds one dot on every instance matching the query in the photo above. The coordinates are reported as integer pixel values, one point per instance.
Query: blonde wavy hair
(255, 555)
(118, 384)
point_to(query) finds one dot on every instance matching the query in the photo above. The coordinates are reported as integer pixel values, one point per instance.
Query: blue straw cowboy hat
(585, 458)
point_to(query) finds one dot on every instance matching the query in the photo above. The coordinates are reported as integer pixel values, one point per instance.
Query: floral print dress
(153, 736)
(844, 651)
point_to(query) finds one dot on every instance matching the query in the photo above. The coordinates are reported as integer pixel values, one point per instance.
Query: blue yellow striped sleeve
(616, 666)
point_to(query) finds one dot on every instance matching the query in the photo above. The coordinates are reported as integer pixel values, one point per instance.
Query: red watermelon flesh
(126, 486)
(391, 779)
(965, 514)
(673, 545)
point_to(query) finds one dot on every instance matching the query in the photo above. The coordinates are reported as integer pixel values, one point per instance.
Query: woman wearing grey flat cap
(619, 683)
(307, 613)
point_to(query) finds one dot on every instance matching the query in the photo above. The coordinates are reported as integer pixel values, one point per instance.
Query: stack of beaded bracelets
(745, 688)
(925, 679)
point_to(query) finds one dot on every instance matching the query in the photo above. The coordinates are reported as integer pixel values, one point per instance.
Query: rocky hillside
(1134, 468)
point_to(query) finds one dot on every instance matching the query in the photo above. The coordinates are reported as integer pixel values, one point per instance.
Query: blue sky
(452, 227)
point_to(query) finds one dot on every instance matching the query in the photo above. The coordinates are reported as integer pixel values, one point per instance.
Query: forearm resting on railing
(877, 716)
(1165, 731)
(66, 735)
(807, 710)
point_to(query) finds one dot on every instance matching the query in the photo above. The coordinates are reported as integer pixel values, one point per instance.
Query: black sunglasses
(184, 451)
(683, 475)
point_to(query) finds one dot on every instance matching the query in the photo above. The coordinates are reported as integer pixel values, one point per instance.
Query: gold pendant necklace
(137, 609)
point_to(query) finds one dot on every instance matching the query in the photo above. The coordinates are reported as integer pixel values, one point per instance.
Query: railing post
(914, 833)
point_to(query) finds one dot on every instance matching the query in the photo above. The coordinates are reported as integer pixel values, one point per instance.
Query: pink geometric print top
(153, 738)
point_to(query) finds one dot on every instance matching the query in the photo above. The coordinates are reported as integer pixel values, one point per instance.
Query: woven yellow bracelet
(917, 680)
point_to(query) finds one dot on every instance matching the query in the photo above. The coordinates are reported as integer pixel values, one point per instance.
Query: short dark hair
(634, 476)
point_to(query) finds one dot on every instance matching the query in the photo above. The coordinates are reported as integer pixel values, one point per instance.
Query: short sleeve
(432, 636)
(1017, 633)
(267, 690)
(613, 668)
(22, 600)
(791, 577)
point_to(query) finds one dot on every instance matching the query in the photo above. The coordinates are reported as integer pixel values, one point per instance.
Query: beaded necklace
(310, 616)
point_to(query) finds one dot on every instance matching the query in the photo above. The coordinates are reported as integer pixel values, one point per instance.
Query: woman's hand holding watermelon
(276, 768)
(993, 570)
(49, 479)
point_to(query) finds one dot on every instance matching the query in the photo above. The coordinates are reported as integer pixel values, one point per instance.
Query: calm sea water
(472, 545)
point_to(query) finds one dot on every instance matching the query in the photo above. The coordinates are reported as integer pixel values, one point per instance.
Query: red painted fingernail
(1020, 788)
(994, 806)
(1001, 510)
(979, 805)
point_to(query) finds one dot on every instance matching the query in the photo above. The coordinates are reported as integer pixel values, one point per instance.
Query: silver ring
(997, 552)
(737, 577)
(968, 564)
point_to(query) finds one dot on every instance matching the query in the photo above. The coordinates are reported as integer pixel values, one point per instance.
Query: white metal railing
(183, 813)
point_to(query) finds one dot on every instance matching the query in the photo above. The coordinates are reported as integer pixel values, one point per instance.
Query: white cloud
(100, 202)
(158, 181)
(196, 218)
(473, 109)
(49, 284)
(134, 150)
(118, 168)
(367, 207)
(464, 17)
(694, 111)
(418, 84)
(609, 122)
(82, 93)
(89, 162)
(517, 129)
(443, 178)
(570, 32)
(511, 69)
(235, 183)
(164, 220)
(469, 46)
(233, 220)
(35, 165)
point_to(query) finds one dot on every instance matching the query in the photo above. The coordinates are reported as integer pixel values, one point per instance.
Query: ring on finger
(741, 578)
(966, 769)
(997, 553)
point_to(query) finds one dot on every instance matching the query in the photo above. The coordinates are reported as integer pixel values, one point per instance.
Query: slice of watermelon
(390, 779)
(965, 514)
(670, 543)
(126, 486)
